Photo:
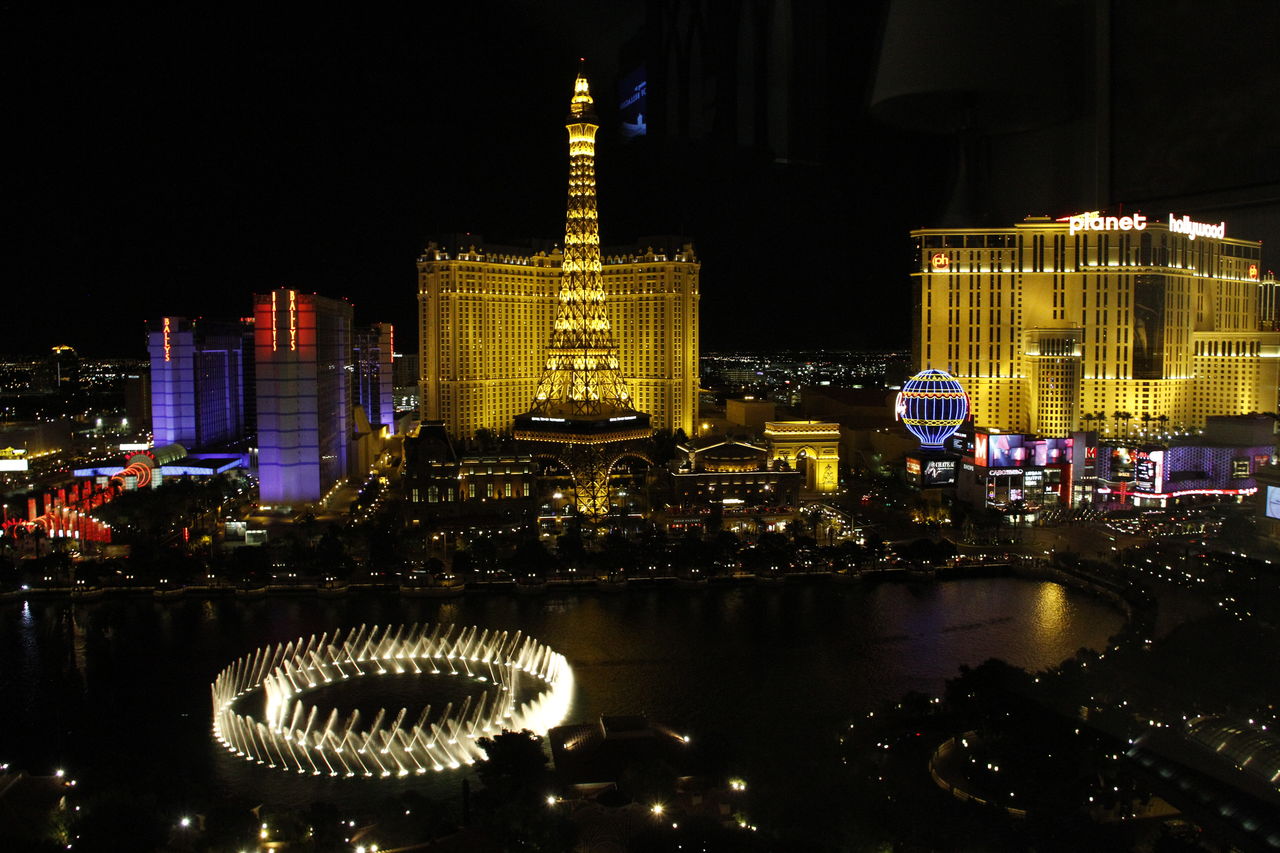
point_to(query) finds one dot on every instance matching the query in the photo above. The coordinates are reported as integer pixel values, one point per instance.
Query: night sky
(178, 160)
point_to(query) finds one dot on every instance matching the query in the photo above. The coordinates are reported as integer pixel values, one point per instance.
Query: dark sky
(178, 160)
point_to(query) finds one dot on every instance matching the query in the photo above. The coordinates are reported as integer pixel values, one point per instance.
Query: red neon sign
(293, 320)
(166, 339)
(273, 321)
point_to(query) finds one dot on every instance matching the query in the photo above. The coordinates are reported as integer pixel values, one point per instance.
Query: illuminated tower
(302, 363)
(582, 412)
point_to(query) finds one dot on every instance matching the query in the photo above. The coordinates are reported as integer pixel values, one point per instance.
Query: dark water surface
(117, 691)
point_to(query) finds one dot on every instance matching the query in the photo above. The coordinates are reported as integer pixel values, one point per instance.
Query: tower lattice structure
(582, 413)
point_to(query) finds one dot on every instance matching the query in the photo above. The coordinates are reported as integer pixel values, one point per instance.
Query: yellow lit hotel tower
(484, 312)
(582, 410)
(1122, 323)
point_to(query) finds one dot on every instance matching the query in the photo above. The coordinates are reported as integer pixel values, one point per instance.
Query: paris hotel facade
(1058, 325)
(484, 318)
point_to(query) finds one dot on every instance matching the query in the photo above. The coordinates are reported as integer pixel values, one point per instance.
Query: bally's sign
(1095, 221)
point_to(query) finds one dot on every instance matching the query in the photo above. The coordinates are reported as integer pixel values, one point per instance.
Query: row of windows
(1231, 348)
(436, 494)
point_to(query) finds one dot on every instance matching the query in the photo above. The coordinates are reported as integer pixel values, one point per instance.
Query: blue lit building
(371, 386)
(197, 381)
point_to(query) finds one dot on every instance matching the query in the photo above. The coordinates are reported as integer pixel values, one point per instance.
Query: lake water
(117, 691)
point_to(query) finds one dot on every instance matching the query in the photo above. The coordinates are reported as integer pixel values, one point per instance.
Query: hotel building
(197, 377)
(484, 316)
(303, 346)
(371, 374)
(1118, 323)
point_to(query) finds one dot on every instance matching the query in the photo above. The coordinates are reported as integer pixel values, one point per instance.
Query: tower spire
(580, 375)
(581, 105)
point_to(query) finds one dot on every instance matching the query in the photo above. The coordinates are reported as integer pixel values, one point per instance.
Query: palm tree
(1146, 422)
(1163, 420)
(1125, 417)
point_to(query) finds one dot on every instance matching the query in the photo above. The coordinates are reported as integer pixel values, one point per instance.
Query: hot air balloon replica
(932, 406)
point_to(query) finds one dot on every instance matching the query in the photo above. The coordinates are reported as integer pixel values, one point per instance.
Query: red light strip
(273, 321)
(1106, 491)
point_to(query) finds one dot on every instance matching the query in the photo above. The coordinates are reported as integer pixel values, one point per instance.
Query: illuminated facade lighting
(303, 395)
(809, 446)
(1120, 323)
(582, 410)
(625, 325)
(483, 316)
(197, 382)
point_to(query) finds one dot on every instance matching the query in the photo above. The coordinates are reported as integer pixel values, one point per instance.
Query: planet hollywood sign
(1196, 229)
(1095, 221)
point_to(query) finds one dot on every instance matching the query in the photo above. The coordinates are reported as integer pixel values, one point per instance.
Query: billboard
(632, 103)
(1273, 502)
(1009, 450)
(939, 472)
(928, 471)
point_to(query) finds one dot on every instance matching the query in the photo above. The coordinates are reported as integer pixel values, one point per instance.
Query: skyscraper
(371, 374)
(197, 376)
(582, 408)
(1092, 321)
(64, 370)
(302, 346)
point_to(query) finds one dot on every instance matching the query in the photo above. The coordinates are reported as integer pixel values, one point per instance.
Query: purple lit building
(197, 380)
(302, 355)
(1221, 463)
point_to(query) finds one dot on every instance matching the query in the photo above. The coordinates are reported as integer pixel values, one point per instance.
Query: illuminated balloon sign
(932, 405)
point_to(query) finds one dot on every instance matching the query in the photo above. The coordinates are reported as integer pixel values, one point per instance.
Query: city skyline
(247, 159)
(186, 161)
(945, 506)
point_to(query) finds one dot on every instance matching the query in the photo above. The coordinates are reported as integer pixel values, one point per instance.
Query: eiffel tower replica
(582, 413)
